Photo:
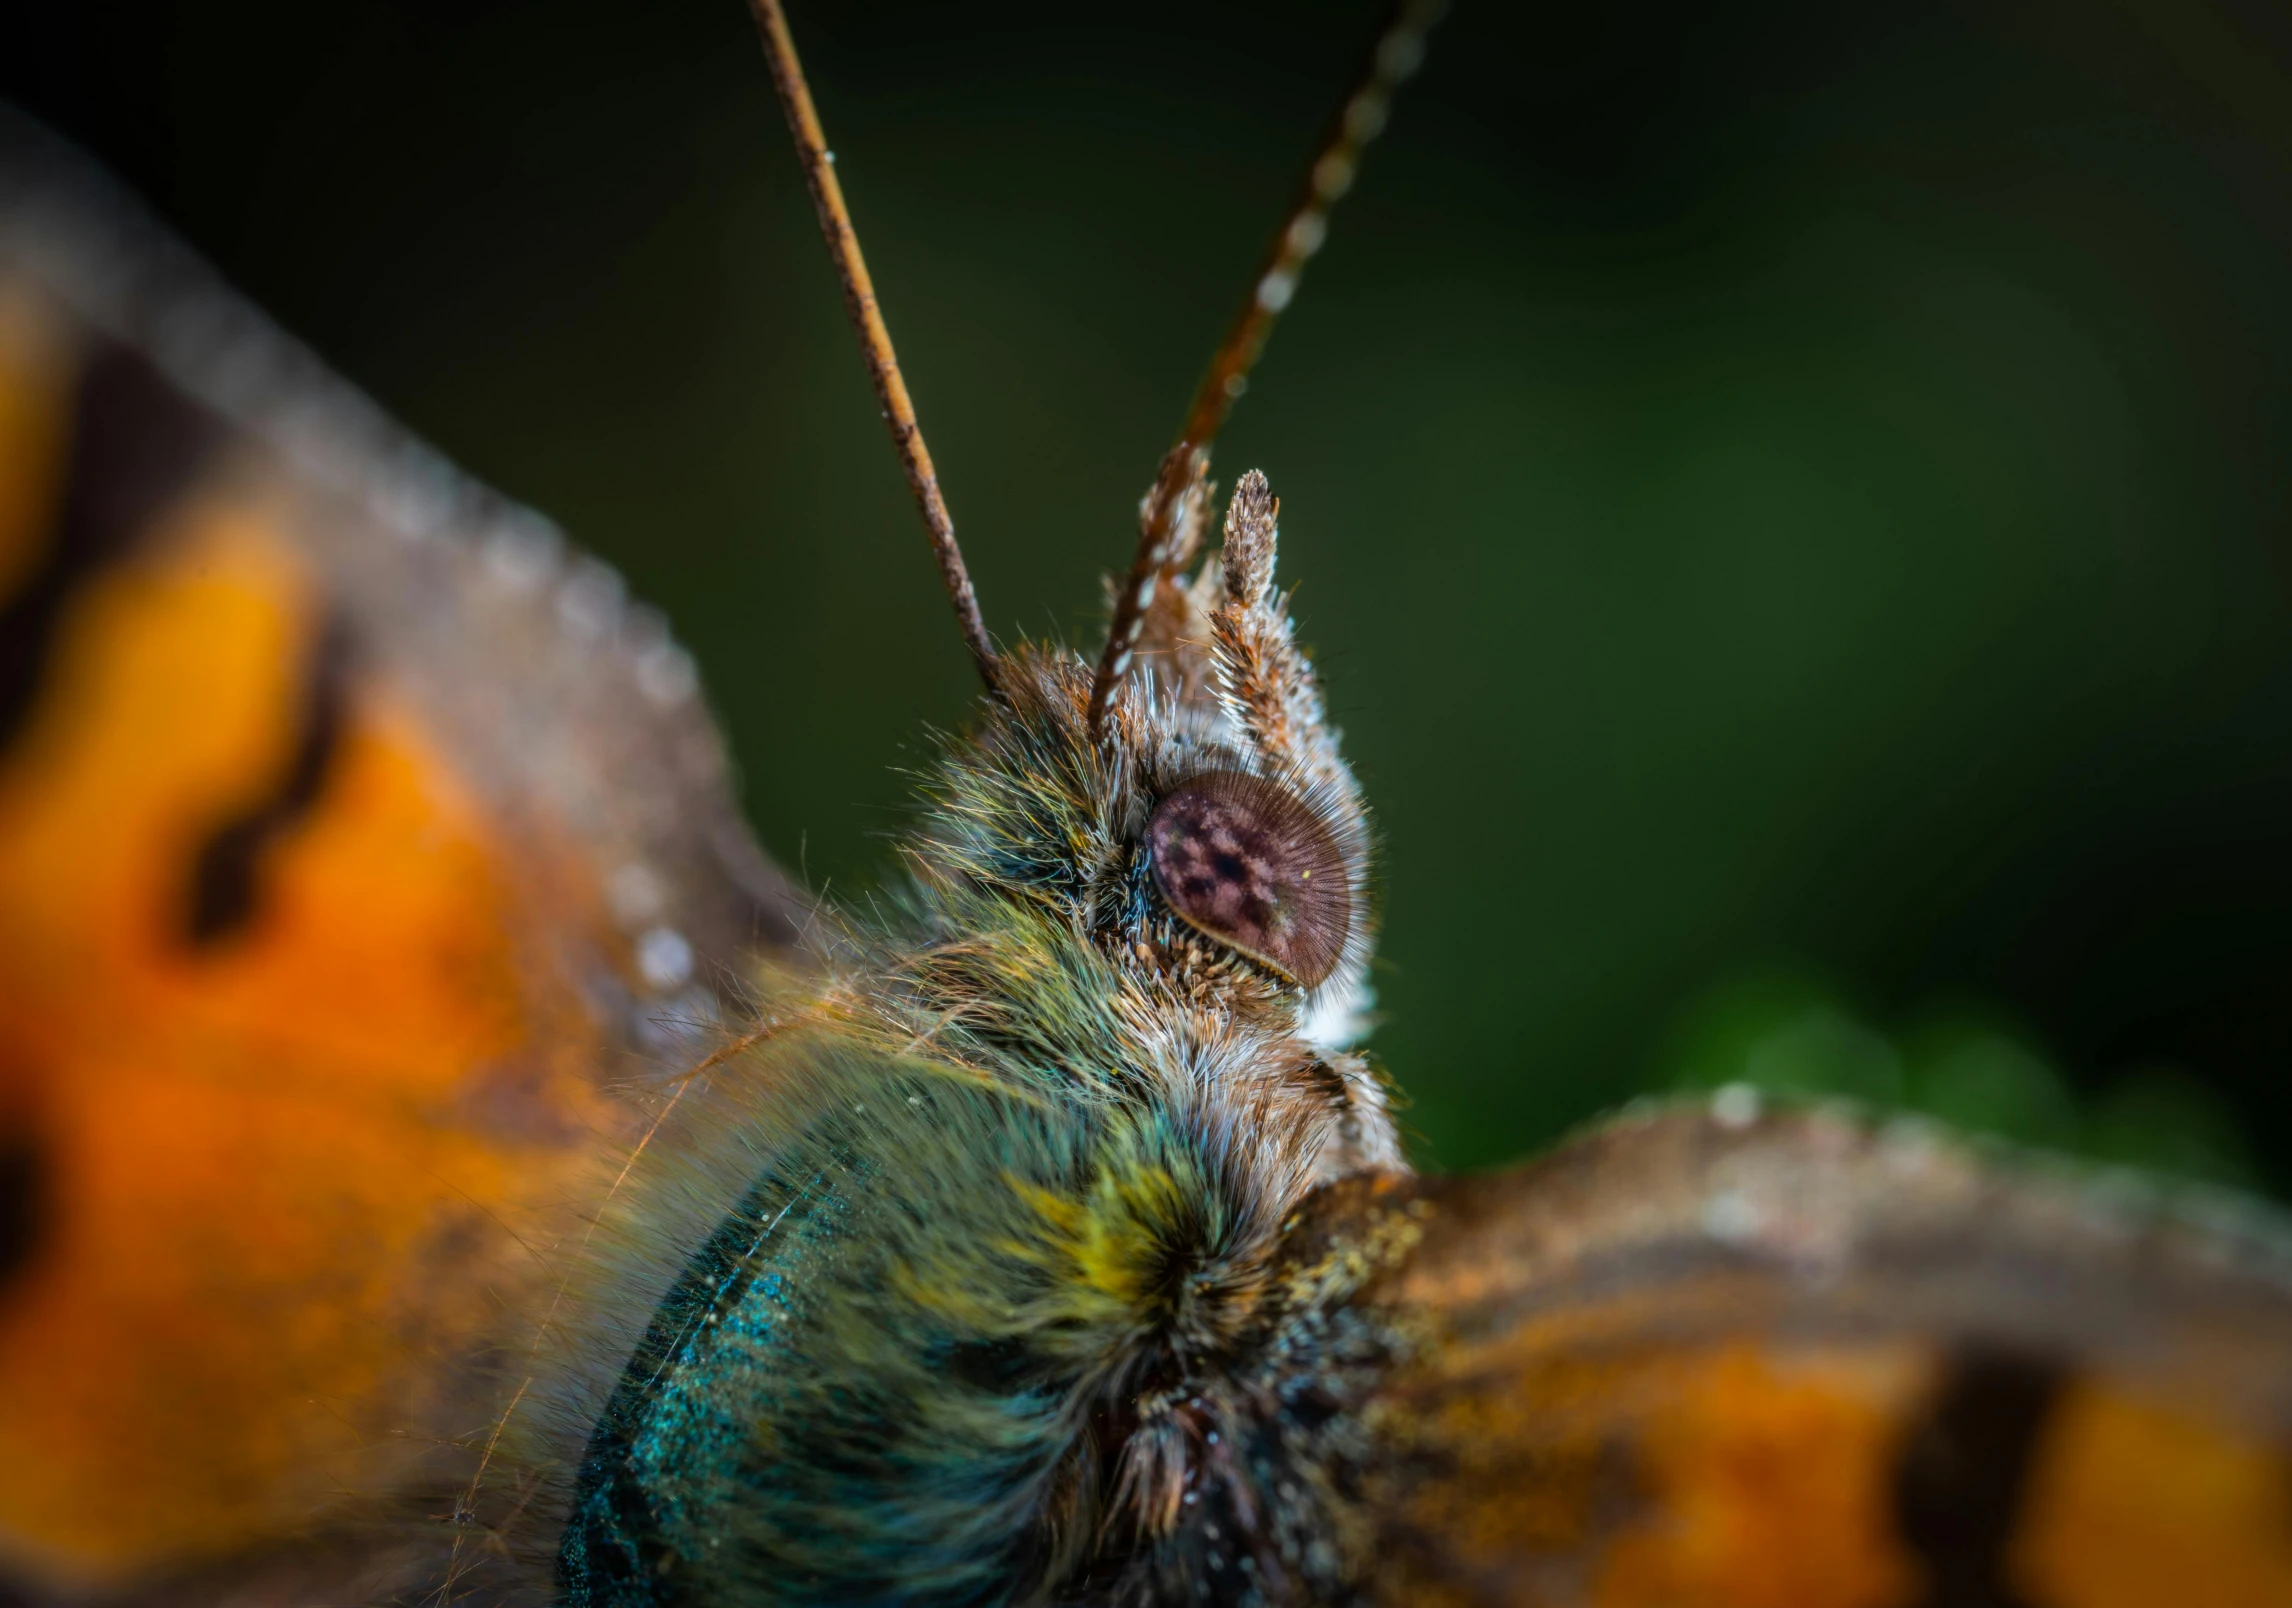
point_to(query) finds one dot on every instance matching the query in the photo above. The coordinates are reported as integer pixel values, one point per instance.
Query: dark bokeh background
(1791, 499)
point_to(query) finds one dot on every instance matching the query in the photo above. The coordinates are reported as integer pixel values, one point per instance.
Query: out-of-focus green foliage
(1787, 1032)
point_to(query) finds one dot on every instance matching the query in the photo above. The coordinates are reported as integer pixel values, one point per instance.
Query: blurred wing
(360, 850)
(1734, 1360)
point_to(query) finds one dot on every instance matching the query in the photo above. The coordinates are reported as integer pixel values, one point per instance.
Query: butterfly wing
(361, 851)
(1799, 1360)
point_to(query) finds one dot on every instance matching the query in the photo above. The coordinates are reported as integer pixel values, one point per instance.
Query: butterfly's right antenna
(875, 338)
(1395, 55)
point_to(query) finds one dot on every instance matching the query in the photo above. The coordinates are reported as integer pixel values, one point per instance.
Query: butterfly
(446, 1161)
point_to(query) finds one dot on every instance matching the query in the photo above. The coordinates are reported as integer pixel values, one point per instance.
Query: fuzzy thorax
(1000, 1217)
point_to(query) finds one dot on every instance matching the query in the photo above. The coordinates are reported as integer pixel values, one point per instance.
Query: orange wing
(1736, 1359)
(358, 850)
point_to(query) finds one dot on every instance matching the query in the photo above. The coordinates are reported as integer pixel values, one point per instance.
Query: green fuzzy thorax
(897, 1370)
(1016, 1177)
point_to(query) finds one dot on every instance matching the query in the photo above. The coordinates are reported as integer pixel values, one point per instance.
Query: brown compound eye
(1245, 861)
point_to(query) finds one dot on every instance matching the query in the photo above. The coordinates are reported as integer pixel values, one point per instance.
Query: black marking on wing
(23, 1207)
(137, 442)
(225, 888)
(1958, 1487)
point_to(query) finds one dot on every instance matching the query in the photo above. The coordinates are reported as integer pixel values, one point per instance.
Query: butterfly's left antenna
(1393, 57)
(875, 338)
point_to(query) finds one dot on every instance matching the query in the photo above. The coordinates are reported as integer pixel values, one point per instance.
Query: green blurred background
(1790, 500)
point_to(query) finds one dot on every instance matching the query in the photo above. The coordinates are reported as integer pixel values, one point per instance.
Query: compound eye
(1246, 862)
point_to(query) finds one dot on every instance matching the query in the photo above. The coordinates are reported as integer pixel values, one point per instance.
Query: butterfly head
(1204, 835)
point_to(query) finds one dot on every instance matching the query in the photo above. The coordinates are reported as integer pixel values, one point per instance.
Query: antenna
(1399, 49)
(875, 338)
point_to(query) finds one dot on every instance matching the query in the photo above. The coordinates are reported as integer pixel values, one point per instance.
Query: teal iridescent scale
(669, 1417)
(851, 1394)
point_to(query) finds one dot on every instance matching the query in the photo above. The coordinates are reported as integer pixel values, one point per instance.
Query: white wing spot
(667, 675)
(522, 550)
(590, 599)
(1735, 1107)
(664, 958)
(420, 497)
(1730, 1218)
